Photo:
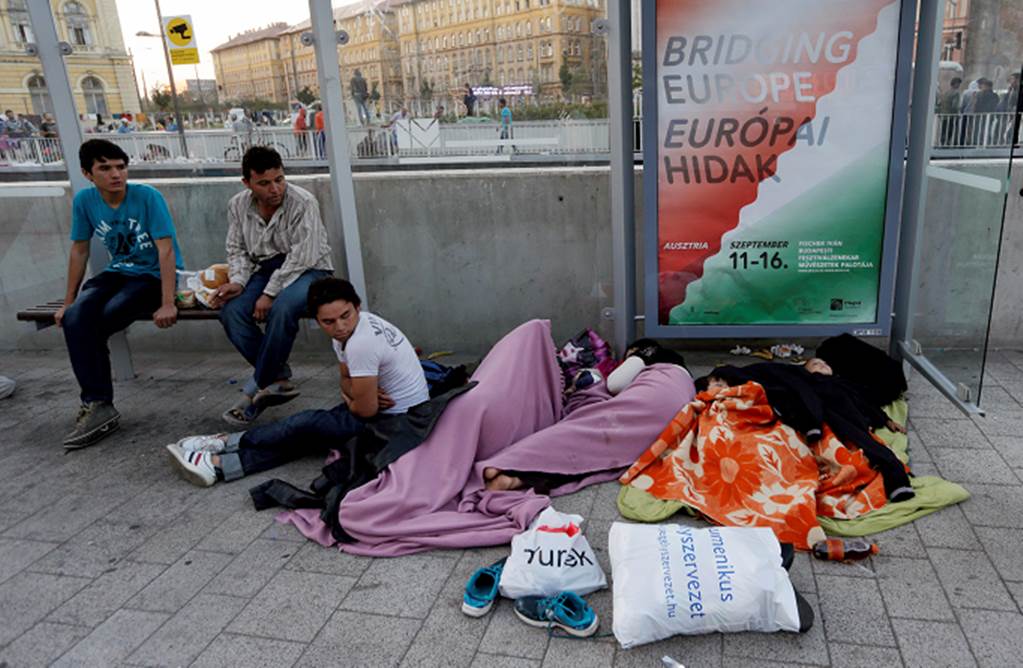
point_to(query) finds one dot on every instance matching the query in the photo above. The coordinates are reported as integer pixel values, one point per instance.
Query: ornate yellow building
(423, 52)
(372, 49)
(446, 44)
(99, 68)
(248, 66)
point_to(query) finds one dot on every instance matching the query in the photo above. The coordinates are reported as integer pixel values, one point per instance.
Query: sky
(214, 22)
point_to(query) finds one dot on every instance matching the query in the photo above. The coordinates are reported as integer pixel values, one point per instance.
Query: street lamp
(135, 78)
(170, 75)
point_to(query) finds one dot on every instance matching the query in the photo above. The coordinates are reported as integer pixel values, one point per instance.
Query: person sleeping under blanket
(638, 355)
(516, 419)
(805, 397)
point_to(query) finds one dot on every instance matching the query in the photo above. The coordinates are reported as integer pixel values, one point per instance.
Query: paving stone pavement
(107, 558)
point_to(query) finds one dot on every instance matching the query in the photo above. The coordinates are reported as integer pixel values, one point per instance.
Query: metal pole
(293, 95)
(135, 79)
(50, 49)
(198, 85)
(623, 179)
(328, 70)
(925, 76)
(170, 75)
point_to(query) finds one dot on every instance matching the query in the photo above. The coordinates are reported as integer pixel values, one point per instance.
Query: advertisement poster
(774, 129)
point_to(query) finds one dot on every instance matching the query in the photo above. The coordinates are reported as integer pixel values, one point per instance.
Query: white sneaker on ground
(214, 443)
(195, 467)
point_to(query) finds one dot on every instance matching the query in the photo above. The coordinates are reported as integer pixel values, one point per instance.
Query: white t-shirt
(378, 348)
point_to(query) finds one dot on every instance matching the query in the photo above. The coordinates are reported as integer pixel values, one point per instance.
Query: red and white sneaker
(195, 467)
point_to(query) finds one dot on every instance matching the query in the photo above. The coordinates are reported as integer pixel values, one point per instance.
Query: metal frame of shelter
(902, 344)
(893, 204)
(912, 125)
(900, 236)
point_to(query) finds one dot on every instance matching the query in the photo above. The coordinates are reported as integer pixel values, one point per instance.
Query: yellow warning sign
(184, 56)
(180, 39)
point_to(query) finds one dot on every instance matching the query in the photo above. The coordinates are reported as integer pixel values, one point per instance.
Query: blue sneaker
(566, 610)
(481, 590)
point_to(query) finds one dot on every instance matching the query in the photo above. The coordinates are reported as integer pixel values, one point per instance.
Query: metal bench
(42, 314)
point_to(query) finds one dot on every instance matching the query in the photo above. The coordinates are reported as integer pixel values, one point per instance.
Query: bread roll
(214, 276)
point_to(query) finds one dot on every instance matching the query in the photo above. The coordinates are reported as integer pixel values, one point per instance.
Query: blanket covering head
(857, 360)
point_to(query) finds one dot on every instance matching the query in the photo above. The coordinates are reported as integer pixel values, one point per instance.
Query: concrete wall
(457, 258)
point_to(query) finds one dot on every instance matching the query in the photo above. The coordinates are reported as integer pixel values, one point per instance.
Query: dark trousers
(108, 302)
(881, 457)
(307, 433)
(267, 351)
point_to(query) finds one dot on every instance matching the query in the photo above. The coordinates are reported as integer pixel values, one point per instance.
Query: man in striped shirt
(276, 247)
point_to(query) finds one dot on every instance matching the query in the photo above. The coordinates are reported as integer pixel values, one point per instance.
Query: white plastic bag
(192, 280)
(552, 555)
(671, 579)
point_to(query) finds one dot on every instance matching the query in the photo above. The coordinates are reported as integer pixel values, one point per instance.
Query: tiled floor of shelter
(108, 558)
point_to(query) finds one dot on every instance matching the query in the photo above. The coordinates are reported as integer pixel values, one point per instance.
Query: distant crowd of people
(978, 116)
(15, 128)
(307, 122)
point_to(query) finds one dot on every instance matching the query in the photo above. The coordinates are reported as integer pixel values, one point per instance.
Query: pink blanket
(434, 496)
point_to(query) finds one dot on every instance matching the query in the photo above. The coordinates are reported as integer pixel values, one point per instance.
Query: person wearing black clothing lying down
(853, 417)
(805, 397)
(789, 390)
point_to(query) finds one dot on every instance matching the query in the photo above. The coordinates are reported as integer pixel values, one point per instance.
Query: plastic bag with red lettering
(552, 555)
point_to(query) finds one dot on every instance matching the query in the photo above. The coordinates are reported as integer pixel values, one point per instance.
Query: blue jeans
(306, 433)
(506, 133)
(268, 351)
(321, 144)
(361, 109)
(108, 302)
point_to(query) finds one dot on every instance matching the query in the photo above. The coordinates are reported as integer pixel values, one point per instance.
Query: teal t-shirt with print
(129, 231)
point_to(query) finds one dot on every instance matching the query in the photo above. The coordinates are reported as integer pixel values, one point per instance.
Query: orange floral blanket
(728, 457)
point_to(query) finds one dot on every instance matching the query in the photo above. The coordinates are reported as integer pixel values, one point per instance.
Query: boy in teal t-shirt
(505, 128)
(134, 223)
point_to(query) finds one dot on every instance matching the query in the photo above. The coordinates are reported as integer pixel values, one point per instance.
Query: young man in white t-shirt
(380, 373)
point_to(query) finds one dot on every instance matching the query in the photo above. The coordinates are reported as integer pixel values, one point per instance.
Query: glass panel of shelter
(975, 121)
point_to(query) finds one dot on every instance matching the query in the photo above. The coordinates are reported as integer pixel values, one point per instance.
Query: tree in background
(161, 99)
(581, 81)
(566, 75)
(305, 96)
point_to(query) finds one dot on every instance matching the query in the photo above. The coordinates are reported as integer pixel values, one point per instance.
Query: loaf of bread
(214, 276)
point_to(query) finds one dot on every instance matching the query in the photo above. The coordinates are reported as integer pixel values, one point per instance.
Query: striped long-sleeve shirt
(295, 230)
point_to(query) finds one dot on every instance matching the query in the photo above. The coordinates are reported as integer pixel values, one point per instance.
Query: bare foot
(895, 426)
(845, 474)
(502, 482)
(489, 473)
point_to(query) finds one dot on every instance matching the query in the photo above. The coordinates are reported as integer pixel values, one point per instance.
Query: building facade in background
(99, 67)
(203, 91)
(249, 67)
(372, 49)
(543, 46)
(984, 37)
(422, 53)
